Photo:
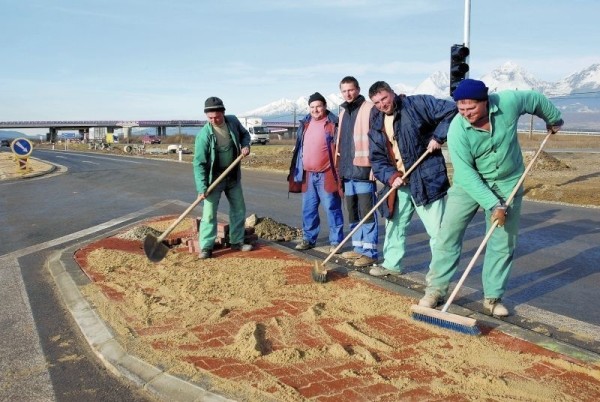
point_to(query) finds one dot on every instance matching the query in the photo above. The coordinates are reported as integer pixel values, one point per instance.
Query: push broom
(442, 318)
(155, 248)
(319, 272)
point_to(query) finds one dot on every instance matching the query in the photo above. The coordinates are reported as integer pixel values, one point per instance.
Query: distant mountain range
(11, 135)
(578, 95)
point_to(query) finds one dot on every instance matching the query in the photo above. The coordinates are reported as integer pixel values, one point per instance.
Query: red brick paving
(327, 379)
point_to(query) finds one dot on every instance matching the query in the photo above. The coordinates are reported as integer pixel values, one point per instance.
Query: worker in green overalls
(217, 145)
(488, 163)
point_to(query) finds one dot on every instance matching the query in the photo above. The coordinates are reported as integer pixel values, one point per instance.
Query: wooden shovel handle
(195, 203)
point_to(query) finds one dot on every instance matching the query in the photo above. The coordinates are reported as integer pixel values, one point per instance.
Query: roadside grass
(559, 141)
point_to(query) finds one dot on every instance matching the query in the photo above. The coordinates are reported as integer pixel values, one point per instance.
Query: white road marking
(24, 366)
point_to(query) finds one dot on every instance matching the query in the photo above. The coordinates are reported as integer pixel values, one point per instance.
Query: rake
(319, 271)
(442, 318)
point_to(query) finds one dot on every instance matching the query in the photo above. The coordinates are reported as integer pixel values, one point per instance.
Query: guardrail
(561, 132)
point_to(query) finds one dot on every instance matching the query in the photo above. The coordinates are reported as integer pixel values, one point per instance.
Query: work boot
(364, 261)
(304, 245)
(381, 271)
(204, 254)
(241, 247)
(495, 307)
(351, 255)
(431, 300)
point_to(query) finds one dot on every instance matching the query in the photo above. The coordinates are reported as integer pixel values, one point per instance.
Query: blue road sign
(22, 147)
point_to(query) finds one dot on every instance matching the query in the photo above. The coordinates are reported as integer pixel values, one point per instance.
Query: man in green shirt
(488, 163)
(217, 145)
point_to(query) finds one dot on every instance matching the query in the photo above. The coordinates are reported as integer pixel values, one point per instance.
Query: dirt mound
(139, 233)
(545, 162)
(270, 229)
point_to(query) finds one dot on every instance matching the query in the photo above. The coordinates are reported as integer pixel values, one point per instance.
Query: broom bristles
(319, 273)
(446, 320)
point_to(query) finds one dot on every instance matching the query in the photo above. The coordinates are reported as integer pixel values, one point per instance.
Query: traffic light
(458, 65)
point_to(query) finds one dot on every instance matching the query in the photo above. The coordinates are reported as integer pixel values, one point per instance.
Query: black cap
(316, 97)
(213, 104)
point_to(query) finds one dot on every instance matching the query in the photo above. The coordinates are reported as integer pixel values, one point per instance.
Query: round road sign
(22, 147)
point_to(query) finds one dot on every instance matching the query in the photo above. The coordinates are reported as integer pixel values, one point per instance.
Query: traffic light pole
(459, 54)
(467, 29)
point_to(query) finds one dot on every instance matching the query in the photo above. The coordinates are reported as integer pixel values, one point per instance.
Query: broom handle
(195, 203)
(368, 215)
(494, 225)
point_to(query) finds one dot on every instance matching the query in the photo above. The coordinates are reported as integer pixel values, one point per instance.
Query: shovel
(319, 272)
(154, 247)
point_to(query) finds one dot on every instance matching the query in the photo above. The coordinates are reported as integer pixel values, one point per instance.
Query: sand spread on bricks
(162, 311)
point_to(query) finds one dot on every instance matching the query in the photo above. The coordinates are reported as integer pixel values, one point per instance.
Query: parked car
(173, 148)
(151, 139)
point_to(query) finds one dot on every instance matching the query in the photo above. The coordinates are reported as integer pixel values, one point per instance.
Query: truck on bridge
(259, 133)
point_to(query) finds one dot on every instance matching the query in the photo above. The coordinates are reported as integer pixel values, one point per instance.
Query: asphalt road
(43, 357)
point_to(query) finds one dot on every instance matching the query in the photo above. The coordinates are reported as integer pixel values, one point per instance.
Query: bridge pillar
(126, 134)
(161, 131)
(52, 135)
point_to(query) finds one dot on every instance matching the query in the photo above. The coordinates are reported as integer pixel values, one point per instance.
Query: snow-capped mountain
(511, 76)
(583, 81)
(507, 76)
(437, 84)
(403, 89)
(285, 108)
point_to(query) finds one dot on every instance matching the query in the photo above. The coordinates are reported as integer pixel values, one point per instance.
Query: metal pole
(531, 128)
(294, 132)
(467, 30)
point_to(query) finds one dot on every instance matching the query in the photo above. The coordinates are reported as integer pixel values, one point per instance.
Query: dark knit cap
(316, 97)
(470, 89)
(213, 104)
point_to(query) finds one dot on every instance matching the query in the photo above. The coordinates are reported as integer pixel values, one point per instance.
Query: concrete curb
(16, 176)
(103, 343)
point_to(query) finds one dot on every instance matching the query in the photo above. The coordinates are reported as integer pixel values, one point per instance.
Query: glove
(499, 214)
(555, 127)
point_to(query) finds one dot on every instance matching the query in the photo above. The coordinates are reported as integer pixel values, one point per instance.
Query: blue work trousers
(332, 203)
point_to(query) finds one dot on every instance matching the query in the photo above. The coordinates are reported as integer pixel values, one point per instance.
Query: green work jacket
(484, 160)
(205, 152)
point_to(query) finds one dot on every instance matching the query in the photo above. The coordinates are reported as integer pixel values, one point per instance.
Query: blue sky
(160, 59)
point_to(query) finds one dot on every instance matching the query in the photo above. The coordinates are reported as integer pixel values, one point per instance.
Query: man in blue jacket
(402, 129)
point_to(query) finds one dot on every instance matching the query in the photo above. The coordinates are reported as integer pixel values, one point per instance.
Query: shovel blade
(155, 250)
